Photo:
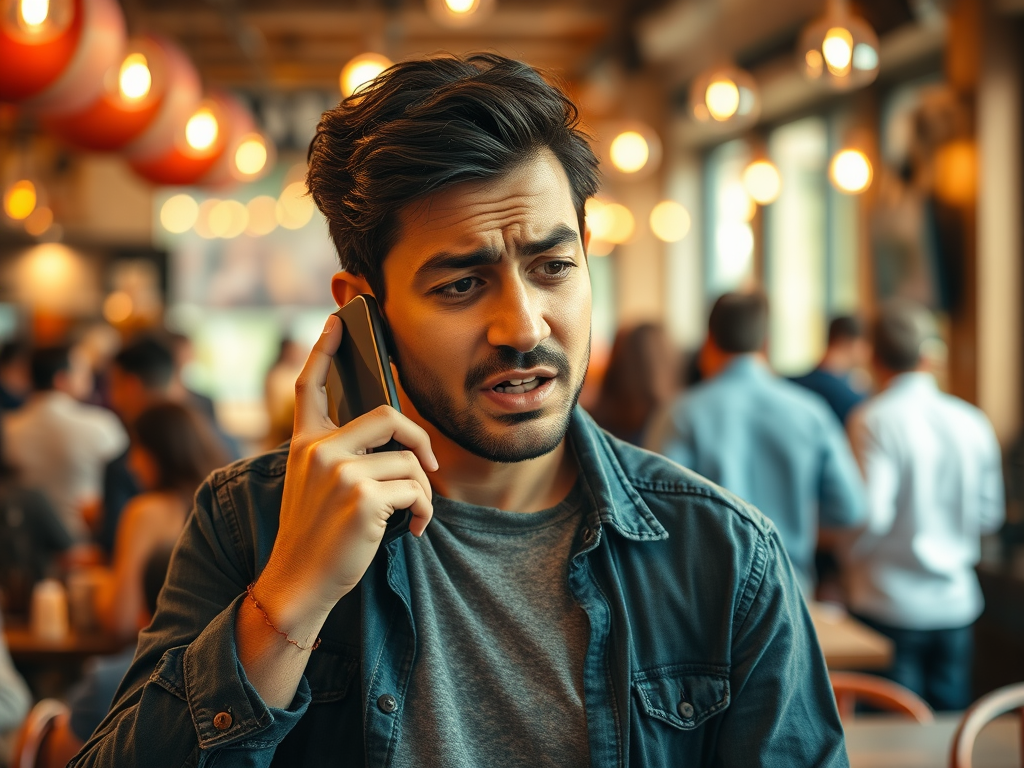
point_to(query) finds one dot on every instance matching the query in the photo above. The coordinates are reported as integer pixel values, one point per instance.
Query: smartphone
(360, 380)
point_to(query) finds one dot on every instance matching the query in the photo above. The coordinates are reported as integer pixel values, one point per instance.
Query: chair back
(851, 687)
(983, 711)
(33, 732)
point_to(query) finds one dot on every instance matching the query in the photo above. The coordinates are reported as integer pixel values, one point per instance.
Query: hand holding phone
(340, 492)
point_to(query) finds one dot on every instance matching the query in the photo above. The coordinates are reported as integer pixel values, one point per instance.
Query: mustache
(507, 357)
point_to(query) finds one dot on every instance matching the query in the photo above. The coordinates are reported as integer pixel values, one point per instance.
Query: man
(933, 470)
(15, 382)
(768, 441)
(564, 599)
(847, 351)
(59, 444)
(140, 375)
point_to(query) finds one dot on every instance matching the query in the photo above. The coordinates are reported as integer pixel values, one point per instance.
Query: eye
(458, 288)
(556, 268)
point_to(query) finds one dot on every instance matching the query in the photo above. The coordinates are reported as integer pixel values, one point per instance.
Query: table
(52, 666)
(887, 741)
(846, 642)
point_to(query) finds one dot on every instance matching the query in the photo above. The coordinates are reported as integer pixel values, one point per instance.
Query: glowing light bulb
(34, 12)
(179, 213)
(815, 64)
(39, 221)
(251, 155)
(202, 129)
(762, 181)
(20, 199)
(462, 7)
(838, 50)
(722, 98)
(670, 221)
(135, 79)
(629, 152)
(851, 171)
(361, 70)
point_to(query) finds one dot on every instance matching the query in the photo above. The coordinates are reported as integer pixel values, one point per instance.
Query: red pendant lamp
(248, 153)
(37, 42)
(198, 142)
(135, 89)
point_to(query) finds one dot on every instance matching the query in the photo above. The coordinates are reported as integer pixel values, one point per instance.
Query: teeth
(515, 382)
(518, 386)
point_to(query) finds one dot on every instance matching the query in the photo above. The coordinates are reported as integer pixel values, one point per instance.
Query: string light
(725, 95)
(670, 222)
(179, 213)
(762, 182)
(629, 151)
(251, 155)
(850, 171)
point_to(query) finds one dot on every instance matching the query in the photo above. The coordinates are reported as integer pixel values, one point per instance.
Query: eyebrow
(444, 261)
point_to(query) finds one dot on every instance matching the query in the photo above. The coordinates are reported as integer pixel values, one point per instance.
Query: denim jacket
(701, 650)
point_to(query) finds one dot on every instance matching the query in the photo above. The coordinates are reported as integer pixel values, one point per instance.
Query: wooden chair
(29, 743)
(851, 687)
(983, 711)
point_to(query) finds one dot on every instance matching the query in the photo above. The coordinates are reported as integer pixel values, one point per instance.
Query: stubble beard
(467, 428)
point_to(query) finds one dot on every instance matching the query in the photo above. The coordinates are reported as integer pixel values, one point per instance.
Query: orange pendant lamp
(198, 142)
(37, 42)
(81, 82)
(248, 154)
(135, 89)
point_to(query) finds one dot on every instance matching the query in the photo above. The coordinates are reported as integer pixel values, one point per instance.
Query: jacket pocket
(682, 695)
(330, 675)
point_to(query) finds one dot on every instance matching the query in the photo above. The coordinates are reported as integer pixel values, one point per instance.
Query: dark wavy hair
(183, 444)
(425, 125)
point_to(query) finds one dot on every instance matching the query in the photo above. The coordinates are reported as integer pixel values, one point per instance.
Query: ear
(345, 286)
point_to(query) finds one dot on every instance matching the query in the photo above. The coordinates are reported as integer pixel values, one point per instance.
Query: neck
(523, 486)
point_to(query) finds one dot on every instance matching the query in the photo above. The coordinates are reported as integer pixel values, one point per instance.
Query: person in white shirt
(59, 444)
(933, 470)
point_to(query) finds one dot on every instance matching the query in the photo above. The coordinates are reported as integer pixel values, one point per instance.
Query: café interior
(833, 154)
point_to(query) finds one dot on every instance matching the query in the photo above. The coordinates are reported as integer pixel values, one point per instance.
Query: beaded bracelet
(266, 618)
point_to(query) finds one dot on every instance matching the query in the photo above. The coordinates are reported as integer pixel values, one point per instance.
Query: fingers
(383, 467)
(379, 426)
(407, 494)
(310, 386)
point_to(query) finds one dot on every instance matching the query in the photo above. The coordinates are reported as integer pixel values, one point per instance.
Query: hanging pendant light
(38, 39)
(725, 95)
(135, 88)
(459, 14)
(839, 48)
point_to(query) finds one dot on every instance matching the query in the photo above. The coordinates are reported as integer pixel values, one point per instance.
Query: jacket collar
(615, 500)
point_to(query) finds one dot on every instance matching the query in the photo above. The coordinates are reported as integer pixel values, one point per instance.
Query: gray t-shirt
(498, 676)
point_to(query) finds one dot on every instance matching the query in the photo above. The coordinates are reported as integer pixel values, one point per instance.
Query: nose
(518, 318)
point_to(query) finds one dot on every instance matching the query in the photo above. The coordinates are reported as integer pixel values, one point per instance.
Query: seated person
(15, 698)
(172, 451)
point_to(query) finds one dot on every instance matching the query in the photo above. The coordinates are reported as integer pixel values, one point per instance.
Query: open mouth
(519, 386)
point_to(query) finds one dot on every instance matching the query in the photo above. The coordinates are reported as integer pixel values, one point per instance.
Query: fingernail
(332, 320)
(436, 465)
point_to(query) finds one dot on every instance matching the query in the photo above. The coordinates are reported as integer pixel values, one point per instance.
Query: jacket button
(222, 721)
(387, 703)
(685, 710)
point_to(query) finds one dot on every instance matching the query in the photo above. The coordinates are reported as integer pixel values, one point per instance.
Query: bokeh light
(462, 6)
(294, 207)
(39, 221)
(838, 50)
(202, 225)
(202, 129)
(362, 70)
(178, 214)
(251, 155)
(228, 219)
(850, 171)
(135, 80)
(762, 182)
(20, 199)
(262, 215)
(722, 98)
(670, 221)
(629, 151)
(118, 307)
(34, 12)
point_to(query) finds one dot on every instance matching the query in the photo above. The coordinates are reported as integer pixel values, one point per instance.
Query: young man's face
(488, 300)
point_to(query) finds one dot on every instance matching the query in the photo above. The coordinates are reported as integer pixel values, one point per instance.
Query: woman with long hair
(173, 449)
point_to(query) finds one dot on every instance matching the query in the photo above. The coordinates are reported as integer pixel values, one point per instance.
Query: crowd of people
(880, 485)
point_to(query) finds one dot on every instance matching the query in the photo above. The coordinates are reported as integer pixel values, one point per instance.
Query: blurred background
(833, 153)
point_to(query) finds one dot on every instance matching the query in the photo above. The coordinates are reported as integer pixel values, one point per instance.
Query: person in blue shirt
(767, 440)
(564, 598)
(848, 352)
